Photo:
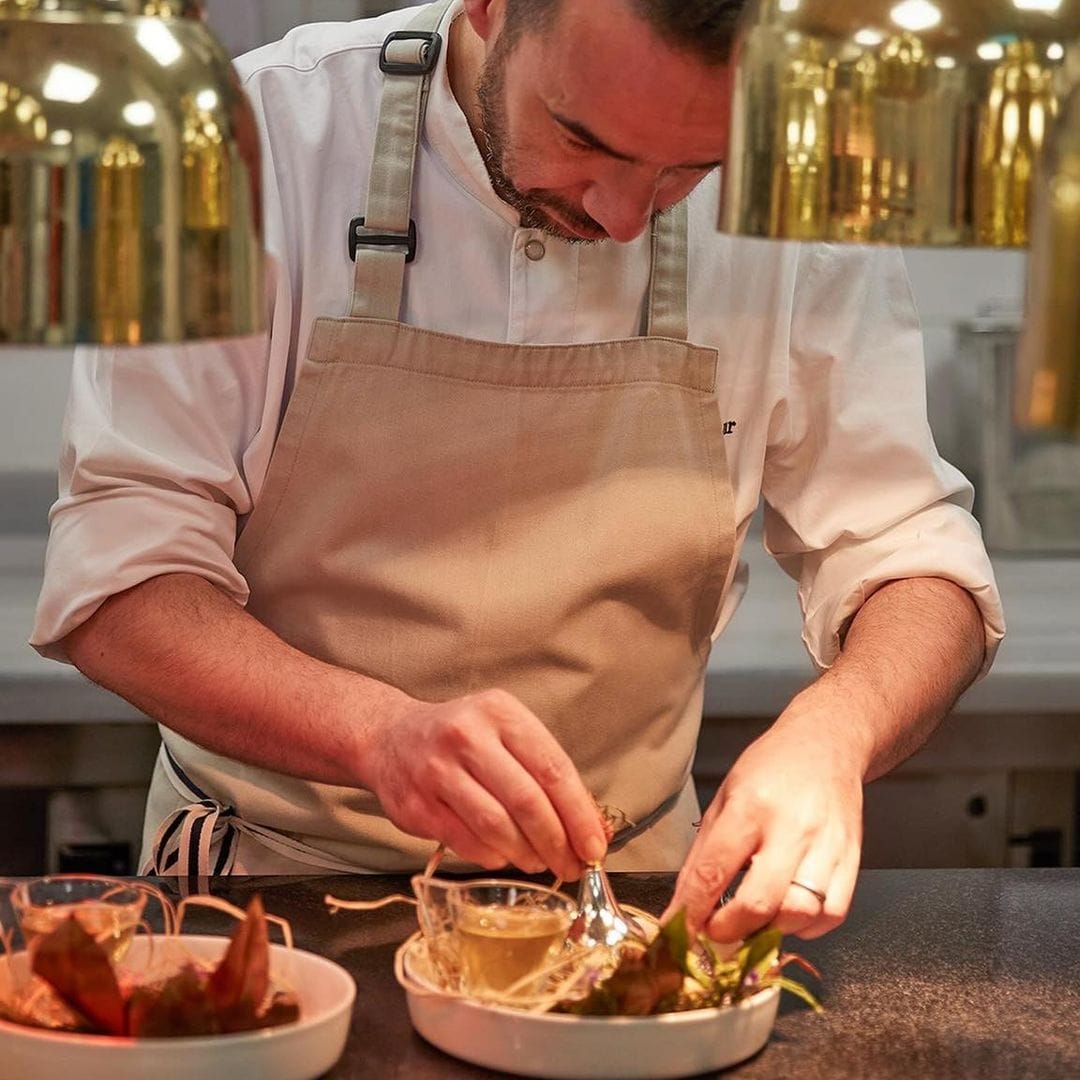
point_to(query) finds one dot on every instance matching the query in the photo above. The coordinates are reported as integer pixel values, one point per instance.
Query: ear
(486, 17)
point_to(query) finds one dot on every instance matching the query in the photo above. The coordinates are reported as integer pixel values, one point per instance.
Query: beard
(532, 206)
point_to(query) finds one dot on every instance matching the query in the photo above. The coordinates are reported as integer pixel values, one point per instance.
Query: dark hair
(705, 27)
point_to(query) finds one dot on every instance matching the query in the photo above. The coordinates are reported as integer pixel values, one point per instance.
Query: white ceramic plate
(300, 1051)
(585, 1048)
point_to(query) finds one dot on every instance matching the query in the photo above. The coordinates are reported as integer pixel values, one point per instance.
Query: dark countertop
(936, 974)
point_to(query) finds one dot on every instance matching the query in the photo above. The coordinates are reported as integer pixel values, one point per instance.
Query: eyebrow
(593, 140)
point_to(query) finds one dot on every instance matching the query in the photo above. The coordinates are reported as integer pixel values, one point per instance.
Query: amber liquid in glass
(501, 945)
(112, 926)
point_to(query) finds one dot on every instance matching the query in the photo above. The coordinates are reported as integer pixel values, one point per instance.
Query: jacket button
(535, 250)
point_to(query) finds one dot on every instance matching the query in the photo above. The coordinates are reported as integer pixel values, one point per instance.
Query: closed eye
(580, 139)
(577, 144)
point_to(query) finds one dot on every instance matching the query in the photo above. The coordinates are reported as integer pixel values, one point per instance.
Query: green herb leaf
(654, 980)
(758, 954)
(676, 937)
(796, 988)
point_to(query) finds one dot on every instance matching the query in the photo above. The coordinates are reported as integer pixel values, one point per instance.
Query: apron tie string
(185, 839)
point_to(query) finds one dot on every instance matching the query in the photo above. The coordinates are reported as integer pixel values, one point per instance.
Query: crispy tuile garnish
(334, 904)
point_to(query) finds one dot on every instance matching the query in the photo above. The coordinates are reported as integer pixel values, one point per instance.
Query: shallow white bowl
(300, 1051)
(561, 1047)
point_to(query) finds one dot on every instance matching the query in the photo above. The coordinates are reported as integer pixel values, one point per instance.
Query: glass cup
(486, 938)
(436, 924)
(108, 909)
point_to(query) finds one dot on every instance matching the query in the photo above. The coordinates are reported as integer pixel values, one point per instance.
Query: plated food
(77, 985)
(82, 1000)
(497, 975)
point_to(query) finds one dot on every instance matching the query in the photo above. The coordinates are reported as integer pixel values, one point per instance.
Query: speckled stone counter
(936, 974)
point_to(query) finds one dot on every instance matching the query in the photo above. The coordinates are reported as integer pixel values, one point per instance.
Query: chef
(441, 557)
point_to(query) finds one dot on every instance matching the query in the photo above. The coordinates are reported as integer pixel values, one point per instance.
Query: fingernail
(595, 849)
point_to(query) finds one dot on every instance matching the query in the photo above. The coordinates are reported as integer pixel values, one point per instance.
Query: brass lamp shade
(1048, 384)
(922, 122)
(893, 121)
(129, 177)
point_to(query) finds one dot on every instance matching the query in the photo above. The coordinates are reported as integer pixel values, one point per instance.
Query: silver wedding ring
(810, 889)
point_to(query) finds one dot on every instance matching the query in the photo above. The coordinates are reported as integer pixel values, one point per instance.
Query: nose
(623, 203)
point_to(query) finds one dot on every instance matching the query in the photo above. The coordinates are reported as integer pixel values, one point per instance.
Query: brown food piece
(235, 997)
(78, 969)
(179, 1006)
(243, 976)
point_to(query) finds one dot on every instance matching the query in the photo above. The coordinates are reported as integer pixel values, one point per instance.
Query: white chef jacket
(821, 373)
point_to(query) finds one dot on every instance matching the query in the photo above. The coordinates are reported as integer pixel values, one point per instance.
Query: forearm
(791, 806)
(187, 655)
(910, 652)
(480, 774)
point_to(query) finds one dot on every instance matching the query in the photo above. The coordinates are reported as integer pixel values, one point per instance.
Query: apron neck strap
(384, 239)
(666, 304)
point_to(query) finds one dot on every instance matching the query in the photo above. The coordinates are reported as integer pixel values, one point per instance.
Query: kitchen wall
(948, 286)
(244, 24)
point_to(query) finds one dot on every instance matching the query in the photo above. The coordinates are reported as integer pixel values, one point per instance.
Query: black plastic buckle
(359, 238)
(429, 56)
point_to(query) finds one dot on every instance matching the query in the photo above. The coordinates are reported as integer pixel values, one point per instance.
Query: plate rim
(197, 1042)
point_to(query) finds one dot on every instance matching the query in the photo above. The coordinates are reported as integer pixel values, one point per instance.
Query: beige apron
(447, 515)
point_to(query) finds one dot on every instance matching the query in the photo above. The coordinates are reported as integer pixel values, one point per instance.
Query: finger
(461, 840)
(544, 759)
(718, 854)
(761, 892)
(801, 908)
(838, 899)
(528, 807)
(486, 817)
(703, 828)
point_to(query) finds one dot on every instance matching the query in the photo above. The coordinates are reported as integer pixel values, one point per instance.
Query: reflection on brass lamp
(129, 177)
(929, 122)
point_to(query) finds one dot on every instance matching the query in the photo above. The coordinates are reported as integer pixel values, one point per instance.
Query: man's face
(595, 124)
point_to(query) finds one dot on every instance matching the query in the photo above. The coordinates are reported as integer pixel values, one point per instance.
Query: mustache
(574, 216)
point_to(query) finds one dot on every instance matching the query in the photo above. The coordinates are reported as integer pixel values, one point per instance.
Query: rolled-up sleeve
(855, 492)
(164, 450)
(151, 474)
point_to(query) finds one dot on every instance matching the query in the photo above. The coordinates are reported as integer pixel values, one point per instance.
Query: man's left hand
(790, 809)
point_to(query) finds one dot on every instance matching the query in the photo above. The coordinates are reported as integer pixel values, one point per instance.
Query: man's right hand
(484, 776)
(481, 774)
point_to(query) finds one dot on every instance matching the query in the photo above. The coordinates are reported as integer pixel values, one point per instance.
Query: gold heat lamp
(926, 122)
(129, 177)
